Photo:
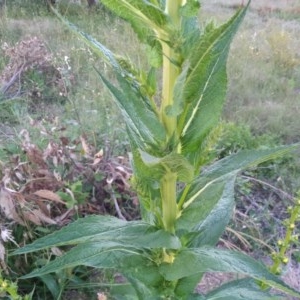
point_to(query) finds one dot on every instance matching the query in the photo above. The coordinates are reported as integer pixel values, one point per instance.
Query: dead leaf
(97, 160)
(38, 217)
(49, 195)
(101, 296)
(87, 151)
(8, 206)
(56, 251)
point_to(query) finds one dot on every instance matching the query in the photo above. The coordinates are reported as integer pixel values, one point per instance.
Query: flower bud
(279, 242)
(292, 226)
(285, 260)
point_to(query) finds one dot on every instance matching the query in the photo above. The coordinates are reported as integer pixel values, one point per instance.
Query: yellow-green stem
(286, 243)
(170, 69)
(172, 9)
(169, 205)
(170, 74)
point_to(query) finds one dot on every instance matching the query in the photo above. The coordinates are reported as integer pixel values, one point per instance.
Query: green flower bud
(285, 260)
(279, 242)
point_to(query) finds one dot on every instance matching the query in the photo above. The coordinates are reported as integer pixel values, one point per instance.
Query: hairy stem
(169, 205)
(171, 68)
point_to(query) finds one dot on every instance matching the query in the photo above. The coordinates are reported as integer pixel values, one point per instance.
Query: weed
(171, 141)
(261, 95)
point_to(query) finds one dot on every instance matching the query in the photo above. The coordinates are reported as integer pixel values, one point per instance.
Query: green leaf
(206, 219)
(141, 120)
(154, 53)
(145, 18)
(190, 9)
(177, 107)
(243, 289)
(106, 229)
(209, 201)
(185, 286)
(52, 285)
(93, 254)
(205, 86)
(156, 167)
(144, 288)
(228, 166)
(151, 81)
(135, 265)
(218, 260)
(123, 292)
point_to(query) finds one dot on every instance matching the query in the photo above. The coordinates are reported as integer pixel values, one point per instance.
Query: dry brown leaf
(35, 155)
(8, 206)
(29, 216)
(49, 195)
(87, 151)
(99, 154)
(38, 217)
(97, 160)
(101, 296)
(63, 218)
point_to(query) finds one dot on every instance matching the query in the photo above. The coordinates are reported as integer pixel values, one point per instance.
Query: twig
(120, 215)
(112, 193)
(12, 80)
(290, 197)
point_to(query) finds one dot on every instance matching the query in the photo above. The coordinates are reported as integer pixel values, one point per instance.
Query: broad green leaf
(243, 289)
(209, 201)
(190, 29)
(192, 261)
(106, 229)
(144, 288)
(185, 286)
(123, 292)
(144, 17)
(141, 120)
(52, 285)
(154, 53)
(205, 86)
(93, 254)
(190, 9)
(177, 106)
(156, 167)
(234, 163)
(206, 219)
(135, 265)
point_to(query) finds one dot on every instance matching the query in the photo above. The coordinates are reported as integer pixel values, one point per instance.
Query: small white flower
(6, 235)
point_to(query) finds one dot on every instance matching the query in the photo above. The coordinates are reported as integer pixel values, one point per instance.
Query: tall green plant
(186, 199)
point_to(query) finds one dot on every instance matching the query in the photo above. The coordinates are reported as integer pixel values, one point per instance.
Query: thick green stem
(169, 205)
(172, 9)
(170, 69)
(170, 73)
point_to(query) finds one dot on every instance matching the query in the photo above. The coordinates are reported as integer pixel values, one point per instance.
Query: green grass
(264, 64)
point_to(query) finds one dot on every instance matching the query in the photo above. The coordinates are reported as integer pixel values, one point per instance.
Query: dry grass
(264, 66)
(264, 63)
